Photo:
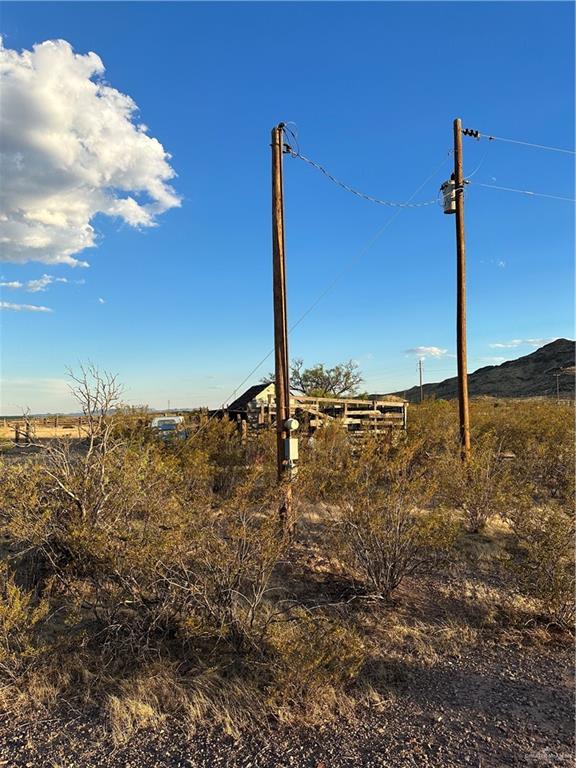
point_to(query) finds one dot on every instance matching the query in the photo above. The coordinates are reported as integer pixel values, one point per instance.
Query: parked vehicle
(169, 427)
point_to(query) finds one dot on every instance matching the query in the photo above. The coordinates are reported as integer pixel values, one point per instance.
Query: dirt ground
(466, 676)
(456, 687)
(40, 431)
(494, 706)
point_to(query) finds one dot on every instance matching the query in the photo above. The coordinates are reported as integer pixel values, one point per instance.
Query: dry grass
(150, 583)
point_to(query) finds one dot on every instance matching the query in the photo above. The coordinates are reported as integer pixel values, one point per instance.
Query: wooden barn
(257, 407)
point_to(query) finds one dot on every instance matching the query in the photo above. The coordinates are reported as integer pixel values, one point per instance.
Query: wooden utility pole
(557, 387)
(282, 377)
(461, 295)
(420, 372)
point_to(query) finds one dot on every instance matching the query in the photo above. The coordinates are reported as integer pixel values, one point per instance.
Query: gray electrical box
(448, 190)
(291, 454)
(291, 448)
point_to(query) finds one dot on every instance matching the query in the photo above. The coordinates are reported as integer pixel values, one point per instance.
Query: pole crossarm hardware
(471, 132)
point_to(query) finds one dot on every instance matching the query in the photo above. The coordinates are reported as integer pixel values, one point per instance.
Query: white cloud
(34, 286)
(40, 284)
(520, 343)
(23, 307)
(70, 149)
(428, 352)
(11, 284)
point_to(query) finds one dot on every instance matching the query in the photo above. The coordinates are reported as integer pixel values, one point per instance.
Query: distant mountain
(528, 376)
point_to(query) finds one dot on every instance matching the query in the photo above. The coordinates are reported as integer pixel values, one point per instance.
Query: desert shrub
(315, 661)
(544, 561)
(541, 436)
(545, 467)
(132, 423)
(433, 424)
(234, 459)
(154, 553)
(21, 614)
(22, 494)
(325, 463)
(387, 535)
(381, 487)
(480, 488)
(336, 466)
(220, 438)
(539, 433)
(218, 577)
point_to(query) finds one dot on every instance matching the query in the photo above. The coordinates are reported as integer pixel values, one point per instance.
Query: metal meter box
(448, 190)
(291, 449)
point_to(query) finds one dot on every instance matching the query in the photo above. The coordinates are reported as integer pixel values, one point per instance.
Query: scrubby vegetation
(151, 580)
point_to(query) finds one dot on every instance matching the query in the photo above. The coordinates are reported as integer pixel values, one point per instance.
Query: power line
(475, 171)
(362, 195)
(367, 247)
(524, 192)
(479, 135)
(330, 287)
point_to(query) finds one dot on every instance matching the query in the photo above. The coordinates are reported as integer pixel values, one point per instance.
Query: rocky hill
(528, 376)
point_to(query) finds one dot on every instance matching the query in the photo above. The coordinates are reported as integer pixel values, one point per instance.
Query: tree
(319, 381)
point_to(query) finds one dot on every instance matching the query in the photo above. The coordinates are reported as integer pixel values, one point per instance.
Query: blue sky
(182, 311)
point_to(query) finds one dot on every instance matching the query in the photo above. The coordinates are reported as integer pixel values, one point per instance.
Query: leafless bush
(218, 577)
(389, 535)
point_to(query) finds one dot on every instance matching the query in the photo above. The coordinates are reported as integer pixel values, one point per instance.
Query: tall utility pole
(461, 295)
(557, 387)
(282, 379)
(420, 372)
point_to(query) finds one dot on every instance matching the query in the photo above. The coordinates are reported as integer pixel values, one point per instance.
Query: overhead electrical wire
(525, 143)
(399, 206)
(332, 284)
(362, 195)
(368, 245)
(370, 198)
(524, 192)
